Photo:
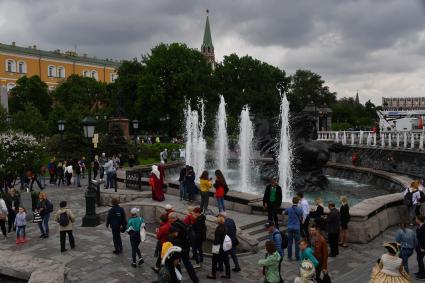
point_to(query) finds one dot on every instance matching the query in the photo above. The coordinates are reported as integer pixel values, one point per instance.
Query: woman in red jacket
(221, 189)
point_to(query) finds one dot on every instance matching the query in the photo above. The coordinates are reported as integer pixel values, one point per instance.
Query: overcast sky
(375, 46)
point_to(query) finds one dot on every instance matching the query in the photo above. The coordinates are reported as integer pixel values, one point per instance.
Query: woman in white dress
(389, 268)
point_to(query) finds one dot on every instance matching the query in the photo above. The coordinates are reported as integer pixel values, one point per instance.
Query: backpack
(49, 206)
(226, 189)
(63, 219)
(408, 199)
(284, 237)
(422, 199)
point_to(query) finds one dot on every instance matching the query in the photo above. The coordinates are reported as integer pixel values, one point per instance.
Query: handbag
(227, 243)
(326, 278)
(215, 249)
(2, 215)
(37, 218)
(143, 232)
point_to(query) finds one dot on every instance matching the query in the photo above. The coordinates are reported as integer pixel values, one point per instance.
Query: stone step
(262, 236)
(253, 224)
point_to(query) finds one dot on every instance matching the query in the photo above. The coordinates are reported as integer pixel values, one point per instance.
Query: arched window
(10, 86)
(10, 66)
(51, 71)
(61, 72)
(22, 67)
(86, 73)
(94, 74)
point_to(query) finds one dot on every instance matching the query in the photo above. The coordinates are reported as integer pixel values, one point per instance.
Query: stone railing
(413, 140)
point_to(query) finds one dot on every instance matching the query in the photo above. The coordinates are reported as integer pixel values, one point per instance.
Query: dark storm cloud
(347, 41)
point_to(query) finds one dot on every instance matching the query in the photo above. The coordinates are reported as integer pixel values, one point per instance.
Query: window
(113, 77)
(22, 67)
(52, 71)
(86, 74)
(10, 66)
(94, 74)
(10, 86)
(61, 72)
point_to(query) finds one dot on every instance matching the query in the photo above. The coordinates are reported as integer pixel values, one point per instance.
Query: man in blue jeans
(295, 215)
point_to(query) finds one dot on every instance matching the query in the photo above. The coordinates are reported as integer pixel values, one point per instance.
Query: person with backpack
(278, 239)
(66, 220)
(182, 240)
(219, 254)
(231, 231)
(44, 207)
(412, 199)
(134, 226)
(117, 221)
(272, 200)
(320, 250)
(221, 189)
(271, 264)
(198, 236)
(295, 215)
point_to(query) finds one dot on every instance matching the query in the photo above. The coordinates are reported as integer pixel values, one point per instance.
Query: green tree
(30, 90)
(4, 125)
(170, 74)
(308, 87)
(247, 81)
(128, 76)
(30, 121)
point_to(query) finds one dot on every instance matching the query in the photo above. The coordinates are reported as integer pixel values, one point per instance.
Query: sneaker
(140, 261)
(116, 252)
(236, 269)
(42, 236)
(64, 250)
(134, 264)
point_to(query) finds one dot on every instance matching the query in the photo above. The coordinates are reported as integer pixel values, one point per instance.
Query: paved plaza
(93, 260)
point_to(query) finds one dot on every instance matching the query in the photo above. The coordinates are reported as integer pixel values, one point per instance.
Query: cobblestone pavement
(93, 261)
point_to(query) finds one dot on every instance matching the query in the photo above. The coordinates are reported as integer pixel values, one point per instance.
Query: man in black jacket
(12, 201)
(182, 240)
(272, 200)
(182, 179)
(334, 222)
(420, 248)
(231, 230)
(117, 220)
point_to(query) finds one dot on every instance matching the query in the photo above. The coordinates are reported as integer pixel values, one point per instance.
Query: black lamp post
(61, 128)
(135, 127)
(90, 219)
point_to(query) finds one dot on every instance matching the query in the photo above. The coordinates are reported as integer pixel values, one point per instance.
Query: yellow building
(51, 66)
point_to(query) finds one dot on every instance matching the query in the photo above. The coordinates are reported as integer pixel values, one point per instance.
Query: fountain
(369, 139)
(382, 140)
(412, 141)
(196, 146)
(353, 136)
(405, 140)
(421, 142)
(285, 149)
(389, 140)
(361, 138)
(398, 140)
(221, 139)
(246, 136)
(337, 137)
(374, 139)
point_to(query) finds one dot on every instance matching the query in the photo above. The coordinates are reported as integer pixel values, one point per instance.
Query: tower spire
(357, 100)
(207, 47)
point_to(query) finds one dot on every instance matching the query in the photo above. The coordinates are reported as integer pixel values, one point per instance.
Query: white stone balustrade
(413, 140)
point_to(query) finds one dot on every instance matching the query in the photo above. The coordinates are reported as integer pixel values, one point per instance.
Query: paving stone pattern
(93, 261)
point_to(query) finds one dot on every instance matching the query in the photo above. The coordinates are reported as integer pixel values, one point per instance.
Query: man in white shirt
(306, 218)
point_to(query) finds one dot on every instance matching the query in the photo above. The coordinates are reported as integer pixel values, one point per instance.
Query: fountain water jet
(221, 139)
(285, 150)
(246, 136)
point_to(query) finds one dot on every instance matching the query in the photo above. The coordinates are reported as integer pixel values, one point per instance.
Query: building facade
(51, 66)
(403, 103)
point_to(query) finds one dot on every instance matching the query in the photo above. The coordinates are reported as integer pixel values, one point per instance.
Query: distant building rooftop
(58, 55)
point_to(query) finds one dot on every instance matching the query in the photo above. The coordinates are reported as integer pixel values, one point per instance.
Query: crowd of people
(312, 235)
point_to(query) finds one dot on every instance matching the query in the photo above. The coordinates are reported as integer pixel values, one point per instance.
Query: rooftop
(58, 55)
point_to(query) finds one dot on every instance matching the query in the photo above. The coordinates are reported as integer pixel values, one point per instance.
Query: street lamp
(135, 127)
(61, 128)
(90, 219)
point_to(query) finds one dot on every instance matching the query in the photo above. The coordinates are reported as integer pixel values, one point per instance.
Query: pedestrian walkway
(93, 261)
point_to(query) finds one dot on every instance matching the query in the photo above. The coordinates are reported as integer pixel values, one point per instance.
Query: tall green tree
(30, 121)
(247, 81)
(308, 87)
(170, 74)
(30, 90)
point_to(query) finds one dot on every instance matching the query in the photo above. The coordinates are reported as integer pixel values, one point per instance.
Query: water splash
(246, 136)
(196, 146)
(285, 149)
(344, 138)
(221, 139)
(389, 140)
(369, 139)
(361, 138)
